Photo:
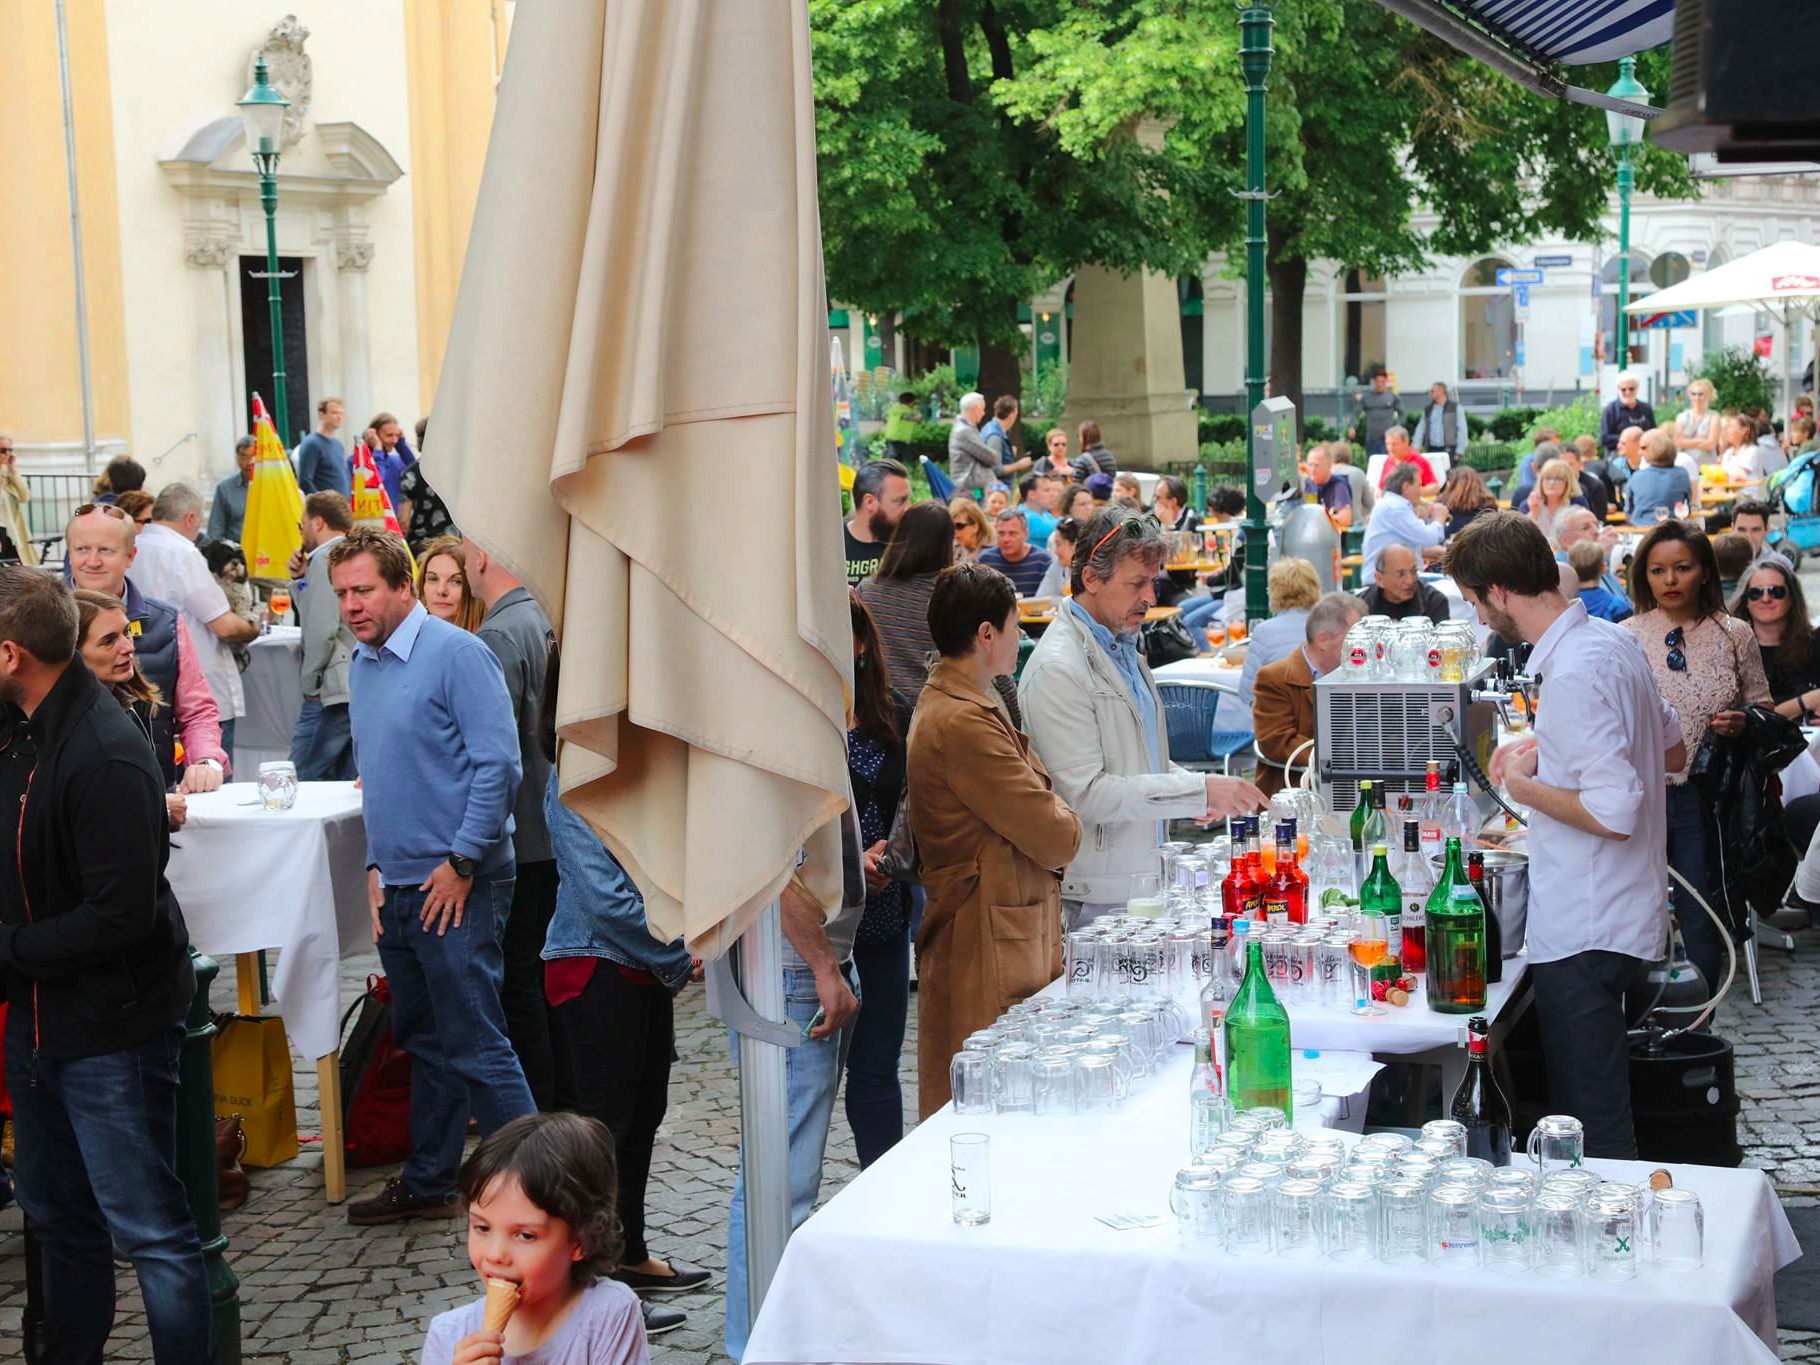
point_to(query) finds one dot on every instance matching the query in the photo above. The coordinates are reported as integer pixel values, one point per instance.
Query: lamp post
(1626, 131)
(1255, 23)
(262, 110)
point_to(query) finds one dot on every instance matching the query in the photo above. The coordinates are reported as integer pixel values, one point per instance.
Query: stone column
(353, 254)
(209, 250)
(1125, 371)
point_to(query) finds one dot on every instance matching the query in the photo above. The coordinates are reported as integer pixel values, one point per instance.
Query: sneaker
(395, 1203)
(682, 1277)
(661, 1320)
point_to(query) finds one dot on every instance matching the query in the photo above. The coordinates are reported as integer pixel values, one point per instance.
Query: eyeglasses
(1627, 388)
(1775, 593)
(105, 507)
(1677, 659)
(1131, 525)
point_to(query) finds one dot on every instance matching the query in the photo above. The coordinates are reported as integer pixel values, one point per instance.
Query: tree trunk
(999, 374)
(1288, 283)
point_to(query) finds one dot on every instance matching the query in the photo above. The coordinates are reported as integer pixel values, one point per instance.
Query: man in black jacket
(94, 958)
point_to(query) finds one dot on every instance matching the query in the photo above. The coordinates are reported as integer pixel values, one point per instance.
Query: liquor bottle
(1217, 993)
(1377, 824)
(1254, 866)
(1206, 1098)
(1235, 891)
(1286, 891)
(1462, 818)
(1257, 1041)
(1494, 933)
(1478, 1103)
(1416, 879)
(1359, 812)
(1380, 895)
(1235, 955)
(1430, 811)
(1456, 940)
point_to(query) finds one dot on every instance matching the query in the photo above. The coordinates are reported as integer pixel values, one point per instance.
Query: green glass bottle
(1257, 1041)
(1456, 940)
(1359, 812)
(1380, 895)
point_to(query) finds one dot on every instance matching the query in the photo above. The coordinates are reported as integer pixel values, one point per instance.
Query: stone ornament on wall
(353, 255)
(208, 250)
(288, 68)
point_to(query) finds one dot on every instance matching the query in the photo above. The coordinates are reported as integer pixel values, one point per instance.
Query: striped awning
(1577, 32)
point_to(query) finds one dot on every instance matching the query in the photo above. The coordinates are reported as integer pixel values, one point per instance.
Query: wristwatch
(464, 867)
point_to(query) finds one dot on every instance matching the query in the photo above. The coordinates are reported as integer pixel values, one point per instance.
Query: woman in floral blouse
(1708, 667)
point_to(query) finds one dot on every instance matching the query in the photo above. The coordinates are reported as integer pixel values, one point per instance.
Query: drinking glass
(1206, 1117)
(1279, 1147)
(1438, 1148)
(1298, 1220)
(1559, 1233)
(1611, 1232)
(1269, 1174)
(278, 785)
(1320, 1167)
(1578, 1180)
(1014, 1079)
(1418, 1166)
(1402, 1222)
(1325, 1142)
(1677, 1229)
(1351, 1221)
(1525, 1183)
(1302, 986)
(1236, 1141)
(1144, 895)
(1330, 973)
(1260, 1120)
(970, 1080)
(1557, 1140)
(970, 1178)
(1450, 1131)
(1466, 1170)
(1504, 1228)
(1096, 1083)
(1305, 1095)
(1386, 1142)
(1453, 1226)
(1195, 1202)
(1083, 960)
(1245, 1215)
(1052, 1082)
(1368, 945)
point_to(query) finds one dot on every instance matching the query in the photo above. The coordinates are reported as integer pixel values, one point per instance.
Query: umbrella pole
(763, 1110)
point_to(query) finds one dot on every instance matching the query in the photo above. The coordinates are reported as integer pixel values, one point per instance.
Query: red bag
(375, 1082)
(6, 1101)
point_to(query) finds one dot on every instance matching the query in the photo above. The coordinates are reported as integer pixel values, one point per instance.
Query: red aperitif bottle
(1237, 891)
(1286, 893)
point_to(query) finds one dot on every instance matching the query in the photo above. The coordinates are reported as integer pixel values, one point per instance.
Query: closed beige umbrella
(634, 416)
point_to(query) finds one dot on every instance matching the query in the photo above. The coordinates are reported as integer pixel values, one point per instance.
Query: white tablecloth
(274, 692)
(1400, 1030)
(882, 1274)
(1225, 677)
(293, 880)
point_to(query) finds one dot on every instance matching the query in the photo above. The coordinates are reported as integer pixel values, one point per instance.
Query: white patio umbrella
(1783, 279)
(634, 416)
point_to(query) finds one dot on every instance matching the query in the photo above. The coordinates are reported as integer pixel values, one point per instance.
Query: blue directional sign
(1683, 318)
(1510, 276)
(1522, 294)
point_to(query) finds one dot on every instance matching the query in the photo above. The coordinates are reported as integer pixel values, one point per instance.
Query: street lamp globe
(1626, 130)
(262, 111)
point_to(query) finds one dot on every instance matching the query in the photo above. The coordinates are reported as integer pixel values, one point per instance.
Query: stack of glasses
(1414, 649)
(1049, 1056)
(1258, 1188)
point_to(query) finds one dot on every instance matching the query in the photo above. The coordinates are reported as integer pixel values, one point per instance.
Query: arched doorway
(1640, 285)
(1488, 322)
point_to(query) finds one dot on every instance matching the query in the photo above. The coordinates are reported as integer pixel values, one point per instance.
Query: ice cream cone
(502, 1302)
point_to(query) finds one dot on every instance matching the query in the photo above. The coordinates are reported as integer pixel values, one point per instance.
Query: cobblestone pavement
(314, 1291)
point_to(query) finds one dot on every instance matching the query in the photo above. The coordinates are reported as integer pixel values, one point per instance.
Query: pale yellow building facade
(392, 101)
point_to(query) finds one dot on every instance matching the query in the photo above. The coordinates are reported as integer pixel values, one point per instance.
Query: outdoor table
(1197, 566)
(295, 880)
(274, 694)
(882, 1274)
(1211, 668)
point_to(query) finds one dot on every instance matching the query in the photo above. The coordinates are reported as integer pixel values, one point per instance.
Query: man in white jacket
(1097, 723)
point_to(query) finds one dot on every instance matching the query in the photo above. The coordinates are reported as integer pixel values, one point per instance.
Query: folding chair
(1191, 709)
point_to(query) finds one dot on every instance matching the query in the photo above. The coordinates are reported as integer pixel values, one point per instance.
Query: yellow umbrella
(600, 399)
(272, 531)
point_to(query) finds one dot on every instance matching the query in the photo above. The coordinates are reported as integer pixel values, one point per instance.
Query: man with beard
(881, 493)
(1598, 817)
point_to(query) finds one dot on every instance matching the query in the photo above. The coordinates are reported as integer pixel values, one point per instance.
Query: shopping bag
(375, 1081)
(253, 1079)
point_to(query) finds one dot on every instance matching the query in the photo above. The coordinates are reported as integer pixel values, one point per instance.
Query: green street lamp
(1626, 131)
(1255, 23)
(262, 110)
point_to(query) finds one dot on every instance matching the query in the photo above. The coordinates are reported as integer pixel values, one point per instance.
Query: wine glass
(1369, 946)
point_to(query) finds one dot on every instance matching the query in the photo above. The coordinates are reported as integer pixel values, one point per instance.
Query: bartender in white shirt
(1594, 777)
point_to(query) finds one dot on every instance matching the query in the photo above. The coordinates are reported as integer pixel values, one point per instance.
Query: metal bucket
(1506, 893)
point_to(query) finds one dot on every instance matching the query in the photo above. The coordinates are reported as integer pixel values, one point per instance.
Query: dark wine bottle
(1494, 936)
(1478, 1103)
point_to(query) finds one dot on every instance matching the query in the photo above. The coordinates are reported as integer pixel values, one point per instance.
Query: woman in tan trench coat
(991, 835)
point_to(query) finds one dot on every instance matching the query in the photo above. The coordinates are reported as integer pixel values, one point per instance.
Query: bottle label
(1276, 909)
(1413, 913)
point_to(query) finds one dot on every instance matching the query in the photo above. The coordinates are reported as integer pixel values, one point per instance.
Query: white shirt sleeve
(202, 595)
(1608, 784)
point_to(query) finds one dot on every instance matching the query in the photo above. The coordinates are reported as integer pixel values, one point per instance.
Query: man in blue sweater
(436, 744)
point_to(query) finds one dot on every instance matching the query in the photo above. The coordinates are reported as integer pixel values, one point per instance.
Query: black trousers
(620, 1035)
(528, 1018)
(1581, 1008)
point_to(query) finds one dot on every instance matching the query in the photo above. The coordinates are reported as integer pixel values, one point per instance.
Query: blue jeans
(227, 740)
(322, 745)
(1198, 611)
(96, 1169)
(446, 1014)
(875, 1094)
(1689, 853)
(812, 1075)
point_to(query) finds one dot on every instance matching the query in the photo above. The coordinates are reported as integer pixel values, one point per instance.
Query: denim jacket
(599, 912)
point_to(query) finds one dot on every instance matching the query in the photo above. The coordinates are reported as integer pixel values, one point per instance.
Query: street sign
(1273, 446)
(1506, 275)
(1553, 262)
(1522, 294)
(1686, 317)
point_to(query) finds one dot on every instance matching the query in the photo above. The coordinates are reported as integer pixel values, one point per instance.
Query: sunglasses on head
(1677, 658)
(107, 508)
(1130, 525)
(1776, 592)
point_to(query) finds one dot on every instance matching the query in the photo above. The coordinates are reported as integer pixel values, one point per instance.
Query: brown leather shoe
(395, 1203)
